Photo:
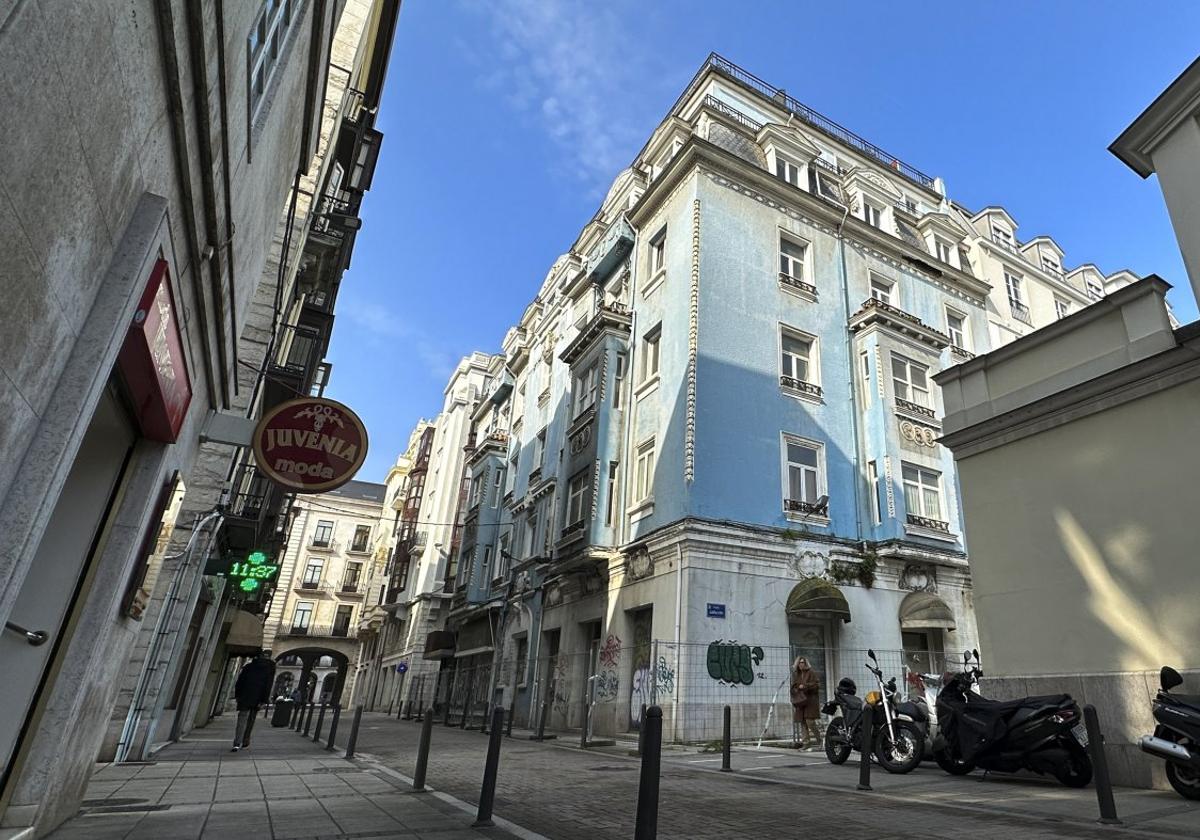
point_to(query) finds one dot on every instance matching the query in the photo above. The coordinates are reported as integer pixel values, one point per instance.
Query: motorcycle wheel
(1078, 771)
(902, 753)
(1185, 780)
(951, 765)
(837, 745)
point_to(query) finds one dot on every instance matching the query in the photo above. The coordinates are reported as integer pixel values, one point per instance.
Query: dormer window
(943, 250)
(1002, 234)
(787, 170)
(1094, 289)
(872, 214)
(1050, 263)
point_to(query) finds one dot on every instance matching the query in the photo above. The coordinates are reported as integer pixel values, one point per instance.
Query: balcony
(296, 355)
(818, 508)
(1008, 245)
(916, 409)
(895, 319)
(927, 523)
(799, 386)
(253, 509)
(609, 317)
(795, 284)
(351, 589)
(337, 630)
(731, 113)
(313, 586)
(357, 547)
(326, 544)
(1021, 312)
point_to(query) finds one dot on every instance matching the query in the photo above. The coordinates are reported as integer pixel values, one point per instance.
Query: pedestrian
(806, 705)
(252, 689)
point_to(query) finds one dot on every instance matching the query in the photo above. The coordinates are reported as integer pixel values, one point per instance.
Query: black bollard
(352, 741)
(725, 740)
(337, 714)
(320, 722)
(407, 710)
(292, 718)
(308, 719)
(868, 739)
(487, 794)
(423, 750)
(583, 730)
(1104, 792)
(646, 825)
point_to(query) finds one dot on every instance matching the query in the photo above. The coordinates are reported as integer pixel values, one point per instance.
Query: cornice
(1178, 102)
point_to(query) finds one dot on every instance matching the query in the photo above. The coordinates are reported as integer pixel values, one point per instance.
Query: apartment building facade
(716, 425)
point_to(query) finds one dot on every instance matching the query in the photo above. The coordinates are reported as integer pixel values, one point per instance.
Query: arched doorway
(328, 685)
(319, 673)
(815, 610)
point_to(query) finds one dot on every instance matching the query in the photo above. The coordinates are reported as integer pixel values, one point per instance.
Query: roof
(1179, 101)
(367, 491)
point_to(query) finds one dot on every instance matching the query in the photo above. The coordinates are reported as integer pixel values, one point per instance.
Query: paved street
(562, 792)
(285, 786)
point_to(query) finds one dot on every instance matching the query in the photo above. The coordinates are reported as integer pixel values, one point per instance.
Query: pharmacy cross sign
(310, 445)
(250, 574)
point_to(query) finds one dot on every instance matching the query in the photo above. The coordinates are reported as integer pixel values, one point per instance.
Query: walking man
(252, 689)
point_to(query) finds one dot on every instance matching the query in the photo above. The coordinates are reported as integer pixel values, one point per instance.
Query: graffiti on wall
(559, 685)
(610, 653)
(607, 685)
(734, 663)
(641, 679)
(664, 676)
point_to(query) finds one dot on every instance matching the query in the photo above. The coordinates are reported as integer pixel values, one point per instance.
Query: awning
(245, 633)
(925, 611)
(816, 598)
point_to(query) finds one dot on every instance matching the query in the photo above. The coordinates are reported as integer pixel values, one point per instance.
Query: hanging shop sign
(249, 576)
(151, 362)
(310, 445)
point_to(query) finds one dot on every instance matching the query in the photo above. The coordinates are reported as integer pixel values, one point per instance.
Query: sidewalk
(284, 786)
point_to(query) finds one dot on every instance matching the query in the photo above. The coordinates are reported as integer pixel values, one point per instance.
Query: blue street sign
(401, 667)
(716, 610)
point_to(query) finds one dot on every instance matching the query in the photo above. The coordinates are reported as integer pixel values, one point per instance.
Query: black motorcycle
(1177, 735)
(898, 743)
(1044, 734)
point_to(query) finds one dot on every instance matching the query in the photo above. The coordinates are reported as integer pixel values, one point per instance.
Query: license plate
(1080, 733)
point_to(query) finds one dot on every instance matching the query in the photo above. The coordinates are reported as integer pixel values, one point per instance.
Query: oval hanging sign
(310, 445)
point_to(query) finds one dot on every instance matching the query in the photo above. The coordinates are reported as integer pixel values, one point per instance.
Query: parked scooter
(1177, 735)
(1044, 734)
(898, 743)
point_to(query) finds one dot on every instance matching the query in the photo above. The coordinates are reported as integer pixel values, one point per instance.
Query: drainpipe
(678, 625)
(854, 408)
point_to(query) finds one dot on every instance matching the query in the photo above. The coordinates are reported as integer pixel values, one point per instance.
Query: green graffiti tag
(730, 662)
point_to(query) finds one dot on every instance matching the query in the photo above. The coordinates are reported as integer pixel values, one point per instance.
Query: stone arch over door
(815, 609)
(311, 658)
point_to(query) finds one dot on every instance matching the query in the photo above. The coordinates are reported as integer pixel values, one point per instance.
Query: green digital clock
(250, 574)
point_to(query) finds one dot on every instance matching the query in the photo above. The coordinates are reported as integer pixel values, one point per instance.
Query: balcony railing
(813, 118)
(1021, 312)
(1007, 245)
(350, 588)
(296, 350)
(326, 544)
(915, 408)
(797, 283)
(731, 112)
(310, 585)
(250, 493)
(573, 528)
(801, 506)
(925, 522)
(794, 384)
(328, 631)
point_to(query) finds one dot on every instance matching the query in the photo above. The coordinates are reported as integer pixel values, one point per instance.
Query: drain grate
(115, 800)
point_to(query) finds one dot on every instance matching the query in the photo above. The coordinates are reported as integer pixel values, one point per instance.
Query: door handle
(34, 637)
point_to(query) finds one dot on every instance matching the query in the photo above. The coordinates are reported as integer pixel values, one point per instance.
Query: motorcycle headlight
(873, 698)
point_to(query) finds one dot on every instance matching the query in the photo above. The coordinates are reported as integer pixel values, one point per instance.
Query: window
(922, 492)
(487, 561)
(312, 573)
(302, 616)
(476, 485)
(1062, 308)
(350, 578)
(619, 380)
(650, 353)
(531, 528)
(502, 562)
(1002, 234)
(791, 258)
(1050, 263)
(362, 538)
(341, 622)
(881, 288)
(522, 660)
(658, 252)
(575, 494)
(956, 326)
(610, 505)
(497, 487)
(787, 170)
(801, 470)
(585, 390)
(1013, 284)
(643, 472)
(872, 215)
(873, 484)
(1094, 289)
(865, 364)
(265, 45)
(539, 449)
(910, 381)
(323, 534)
(943, 250)
(796, 360)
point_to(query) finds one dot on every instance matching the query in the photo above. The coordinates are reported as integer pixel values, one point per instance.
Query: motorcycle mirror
(871, 653)
(1168, 678)
(975, 652)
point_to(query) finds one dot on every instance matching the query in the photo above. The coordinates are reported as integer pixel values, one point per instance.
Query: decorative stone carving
(918, 577)
(553, 595)
(921, 436)
(639, 565)
(808, 564)
(581, 439)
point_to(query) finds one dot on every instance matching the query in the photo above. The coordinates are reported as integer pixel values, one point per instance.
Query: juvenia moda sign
(310, 445)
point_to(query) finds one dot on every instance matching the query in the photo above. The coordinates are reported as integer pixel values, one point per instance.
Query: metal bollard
(868, 738)
(725, 739)
(320, 722)
(1104, 792)
(407, 710)
(352, 741)
(583, 729)
(308, 719)
(423, 750)
(646, 825)
(337, 714)
(487, 794)
(541, 730)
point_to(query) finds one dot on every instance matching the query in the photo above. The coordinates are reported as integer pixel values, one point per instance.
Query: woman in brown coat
(806, 705)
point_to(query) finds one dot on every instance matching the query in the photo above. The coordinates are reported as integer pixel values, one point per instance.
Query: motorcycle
(898, 744)
(1044, 734)
(1177, 734)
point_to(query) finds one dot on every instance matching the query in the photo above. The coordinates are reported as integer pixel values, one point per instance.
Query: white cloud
(383, 328)
(577, 68)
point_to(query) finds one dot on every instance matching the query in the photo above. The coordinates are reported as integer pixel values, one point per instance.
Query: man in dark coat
(806, 705)
(252, 689)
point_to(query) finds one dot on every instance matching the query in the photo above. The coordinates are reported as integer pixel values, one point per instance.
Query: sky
(505, 122)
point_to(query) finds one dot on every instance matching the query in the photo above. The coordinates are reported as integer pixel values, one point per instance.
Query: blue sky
(506, 120)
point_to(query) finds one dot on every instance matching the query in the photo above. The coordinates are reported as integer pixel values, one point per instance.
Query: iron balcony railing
(737, 116)
(794, 384)
(915, 408)
(801, 506)
(337, 630)
(1021, 312)
(926, 522)
(808, 115)
(797, 283)
(250, 493)
(297, 349)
